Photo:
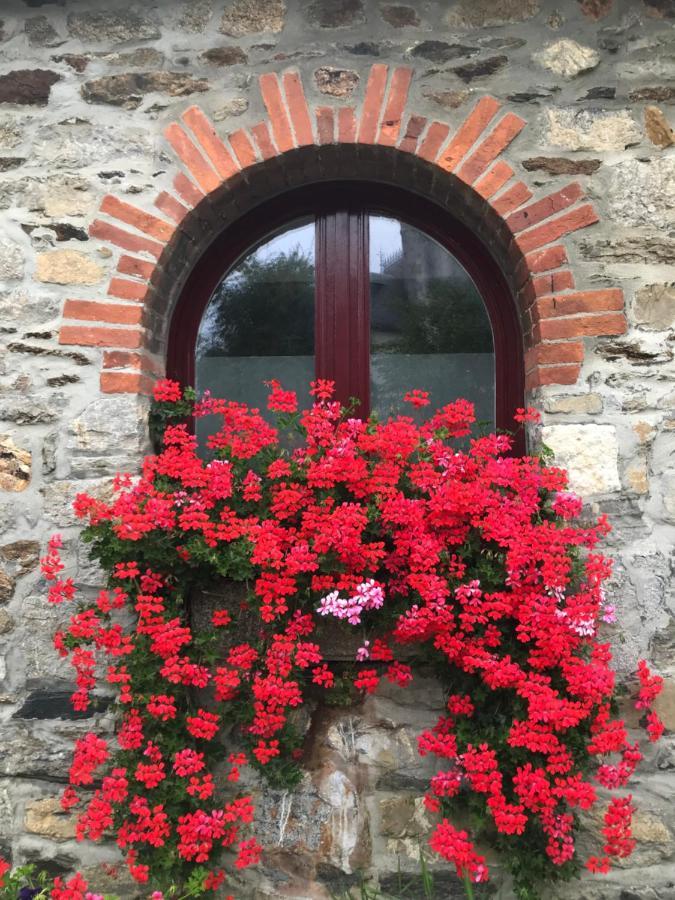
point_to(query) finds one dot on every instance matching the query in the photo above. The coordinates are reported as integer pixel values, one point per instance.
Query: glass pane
(429, 327)
(259, 324)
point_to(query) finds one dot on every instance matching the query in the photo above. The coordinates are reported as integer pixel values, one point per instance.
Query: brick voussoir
(395, 108)
(372, 104)
(560, 305)
(505, 131)
(112, 234)
(553, 229)
(468, 133)
(100, 311)
(270, 89)
(101, 336)
(201, 170)
(131, 215)
(209, 141)
(126, 383)
(298, 109)
(125, 289)
(543, 209)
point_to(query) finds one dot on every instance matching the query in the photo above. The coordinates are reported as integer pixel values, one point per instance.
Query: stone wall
(86, 92)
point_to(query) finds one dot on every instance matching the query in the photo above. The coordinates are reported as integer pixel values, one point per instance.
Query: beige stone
(252, 17)
(46, 818)
(6, 622)
(589, 453)
(644, 431)
(15, 465)
(477, 13)
(567, 58)
(7, 585)
(67, 267)
(69, 197)
(658, 130)
(588, 404)
(637, 476)
(587, 129)
(654, 307)
(664, 705)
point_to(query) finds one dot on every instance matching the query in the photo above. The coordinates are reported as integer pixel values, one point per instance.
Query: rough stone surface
(567, 58)
(46, 818)
(242, 17)
(658, 130)
(449, 99)
(67, 267)
(41, 33)
(654, 307)
(561, 166)
(15, 466)
(442, 51)
(589, 452)
(336, 82)
(129, 89)
(335, 13)
(111, 26)
(11, 260)
(477, 13)
(643, 193)
(469, 71)
(27, 87)
(225, 56)
(586, 129)
(400, 16)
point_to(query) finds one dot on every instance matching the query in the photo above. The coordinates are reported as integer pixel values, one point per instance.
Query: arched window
(371, 287)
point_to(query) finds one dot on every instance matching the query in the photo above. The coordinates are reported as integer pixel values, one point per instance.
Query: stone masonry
(95, 99)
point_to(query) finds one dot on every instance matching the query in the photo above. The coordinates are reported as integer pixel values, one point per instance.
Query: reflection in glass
(429, 327)
(259, 324)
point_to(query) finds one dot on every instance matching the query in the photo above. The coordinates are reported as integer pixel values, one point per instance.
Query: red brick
(552, 282)
(325, 124)
(243, 148)
(94, 311)
(126, 359)
(297, 107)
(173, 208)
(498, 139)
(554, 353)
(124, 239)
(210, 142)
(132, 215)
(100, 336)
(346, 125)
(131, 265)
(581, 302)
(276, 109)
(550, 258)
(188, 190)
(582, 326)
(433, 141)
(126, 383)
(550, 231)
(552, 375)
(511, 199)
(468, 133)
(542, 209)
(398, 97)
(372, 104)
(197, 166)
(411, 135)
(263, 138)
(493, 180)
(127, 290)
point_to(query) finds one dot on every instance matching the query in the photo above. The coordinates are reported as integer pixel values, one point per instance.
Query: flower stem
(468, 887)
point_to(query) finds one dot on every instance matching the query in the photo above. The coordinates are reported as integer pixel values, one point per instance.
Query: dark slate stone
(337, 881)
(335, 13)
(600, 93)
(527, 96)
(559, 165)
(481, 68)
(364, 48)
(41, 33)
(660, 94)
(27, 87)
(440, 51)
(400, 16)
(225, 56)
(45, 704)
(128, 89)
(10, 162)
(445, 884)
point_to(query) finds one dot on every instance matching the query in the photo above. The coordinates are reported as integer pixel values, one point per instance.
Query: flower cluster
(424, 537)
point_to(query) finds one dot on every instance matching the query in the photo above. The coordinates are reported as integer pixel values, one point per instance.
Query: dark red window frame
(342, 308)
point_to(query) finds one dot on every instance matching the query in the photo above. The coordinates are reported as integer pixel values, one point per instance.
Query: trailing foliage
(413, 535)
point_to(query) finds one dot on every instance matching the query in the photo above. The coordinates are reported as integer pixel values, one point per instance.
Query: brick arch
(555, 315)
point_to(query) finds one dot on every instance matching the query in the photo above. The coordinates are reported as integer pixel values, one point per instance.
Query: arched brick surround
(524, 232)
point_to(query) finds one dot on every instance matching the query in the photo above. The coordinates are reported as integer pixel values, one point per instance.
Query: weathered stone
(48, 819)
(479, 69)
(599, 93)
(225, 56)
(654, 307)
(15, 466)
(587, 129)
(587, 404)
(142, 57)
(7, 585)
(56, 704)
(21, 557)
(658, 130)
(243, 17)
(10, 162)
(11, 133)
(400, 16)
(558, 165)
(404, 816)
(567, 58)
(67, 267)
(111, 26)
(235, 107)
(59, 496)
(449, 99)
(335, 13)
(27, 87)
(196, 15)
(589, 453)
(660, 9)
(41, 33)
(78, 358)
(76, 61)
(68, 195)
(441, 51)
(364, 48)
(336, 82)
(109, 425)
(635, 352)
(533, 95)
(129, 89)
(638, 248)
(7, 624)
(642, 193)
(11, 260)
(596, 9)
(477, 13)
(27, 410)
(660, 94)
(637, 476)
